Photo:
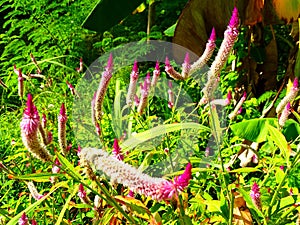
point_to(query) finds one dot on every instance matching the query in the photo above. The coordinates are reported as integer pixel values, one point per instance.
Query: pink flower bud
(23, 220)
(228, 98)
(171, 71)
(186, 66)
(82, 195)
(255, 195)
(156, 74)
(80, 69)
(62, 121)
(117, 150)
(132, 85)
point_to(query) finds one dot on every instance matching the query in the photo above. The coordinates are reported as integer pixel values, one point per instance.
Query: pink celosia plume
(134, 75)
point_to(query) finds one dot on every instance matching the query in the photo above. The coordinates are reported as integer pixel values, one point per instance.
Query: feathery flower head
(148, 79)
(33, 191)
(81, 191)
(186, 66)
(228, 98)
(135, 71)
(23, 220)
(117, 150)
(31, 118)
(255, 195)
(157, 66)
(234, 20)
(62, 114)
(171, 71)
(109, 65)
(213, 35)
(295, 83)
(285, 114)
(138, 182)
(136, 100)
(156, 73)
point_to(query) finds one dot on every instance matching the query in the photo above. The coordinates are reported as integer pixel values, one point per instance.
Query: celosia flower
(156, 74)
(55, 169)
(228, 98)
(39, 71)
(186, 66)
(44, 121)
(289, 97)
(134, 179)
(238, 107)
(117, 150)
(210, 86)
(20, 84)
(144, 98)
(23, 220)
(130, 194)
(43, 134)
(132, 84)
(285, 115)
(148, 80)
(210, 47)
(103, 85)
(98, 129)
(171, 71)
(33, 191)
(62, 121)
(230, 36)
(82, 195)
(240, 110)
(71, 87)
(29, 132)
(97, 202)
(255, 195)
(49, 137)
(171, 95)
(136, 101)
(33, 222)
(80, 69)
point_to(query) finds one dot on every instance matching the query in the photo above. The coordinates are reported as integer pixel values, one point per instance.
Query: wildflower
(144, 97)
(23, 220)
(210, 47)
(284, 115)
(238, 107)
(255, 195)
(136, 100)
(228, 98)
(186, 66)
(82, 195)
(156, 74)
(44, 121)
(20, 84)
(230, 36)
(80, 69)
(119, 172)
(289, 97)
(97, 202)
(171, 95)
(171, 71)
(117, 150)
(39, 71)
(71, 87)
(130, 194)
(132, 84)
(62, 121)
(29, 132)
(33, 191)
(33, 222)
(55, 169)
(103, 85)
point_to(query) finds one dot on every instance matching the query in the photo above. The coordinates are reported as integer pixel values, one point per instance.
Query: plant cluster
(247, 176)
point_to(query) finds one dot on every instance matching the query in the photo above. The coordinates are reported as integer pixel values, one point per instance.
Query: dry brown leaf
(241, 214)
(288, 10)
(254, 12)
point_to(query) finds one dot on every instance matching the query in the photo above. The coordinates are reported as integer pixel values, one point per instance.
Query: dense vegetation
(223, 142)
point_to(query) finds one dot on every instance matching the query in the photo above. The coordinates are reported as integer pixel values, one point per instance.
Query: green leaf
(37, 177)
(245, 170)
(108, 13)
(249, 202)
(157, 131)
(34, 205)
(278, 138)
(68, 167)
(291, 129)
(279, 175)
(255, 130)
(170, 31)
